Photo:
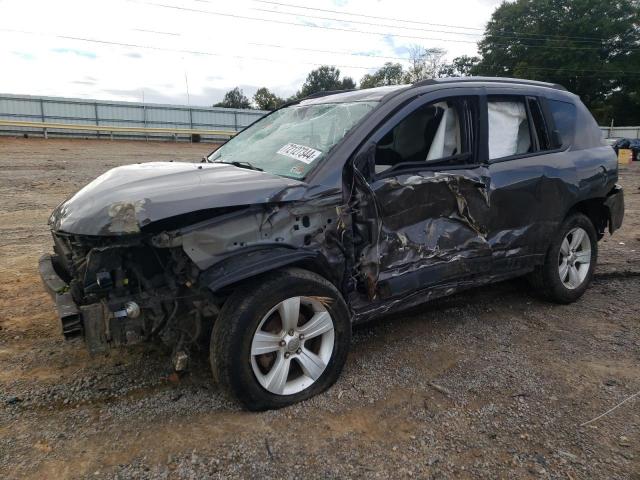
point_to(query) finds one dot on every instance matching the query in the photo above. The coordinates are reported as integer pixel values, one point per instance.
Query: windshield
(291, 140)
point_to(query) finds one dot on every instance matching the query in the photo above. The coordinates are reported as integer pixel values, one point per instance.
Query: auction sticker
(300, 152)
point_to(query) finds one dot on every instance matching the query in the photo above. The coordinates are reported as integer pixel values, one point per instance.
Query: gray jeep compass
(329, 212)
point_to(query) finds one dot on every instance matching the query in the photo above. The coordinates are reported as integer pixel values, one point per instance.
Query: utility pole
(186, 81)
(611, 129)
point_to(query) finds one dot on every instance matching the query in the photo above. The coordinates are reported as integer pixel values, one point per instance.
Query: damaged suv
(330, 212)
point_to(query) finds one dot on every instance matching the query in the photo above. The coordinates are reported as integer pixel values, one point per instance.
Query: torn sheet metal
(270, 225)
(426, 219)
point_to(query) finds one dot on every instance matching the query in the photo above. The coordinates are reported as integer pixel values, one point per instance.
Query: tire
(251, 322)
(547, 278)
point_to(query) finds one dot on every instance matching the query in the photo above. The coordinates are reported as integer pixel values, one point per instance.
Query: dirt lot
(491, 383)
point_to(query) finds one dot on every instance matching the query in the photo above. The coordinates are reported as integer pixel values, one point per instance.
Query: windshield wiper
(245, 165)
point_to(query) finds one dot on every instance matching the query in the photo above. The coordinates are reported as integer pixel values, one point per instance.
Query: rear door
(423, 212)
(528, 188)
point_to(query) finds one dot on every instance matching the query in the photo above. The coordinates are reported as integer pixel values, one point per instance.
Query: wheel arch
(247, 264)
(595, 210)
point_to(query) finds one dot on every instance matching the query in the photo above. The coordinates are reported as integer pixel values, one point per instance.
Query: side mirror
(204, 159)
(556, 141)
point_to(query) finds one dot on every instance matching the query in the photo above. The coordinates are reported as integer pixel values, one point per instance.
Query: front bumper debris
(68, 311)
(50, 278)
(88, 321)
(102, 325)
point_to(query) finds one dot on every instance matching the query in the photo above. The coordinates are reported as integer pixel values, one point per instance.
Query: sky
(193, 51)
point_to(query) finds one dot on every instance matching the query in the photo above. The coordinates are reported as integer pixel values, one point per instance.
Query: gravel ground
(492, 383)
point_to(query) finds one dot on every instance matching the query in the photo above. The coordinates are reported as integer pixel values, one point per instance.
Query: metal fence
(621, 132)
(141, 116)
(134, 118)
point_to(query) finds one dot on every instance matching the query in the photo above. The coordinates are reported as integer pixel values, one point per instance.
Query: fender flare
(248, 263)
(607, 211)
(614, 204)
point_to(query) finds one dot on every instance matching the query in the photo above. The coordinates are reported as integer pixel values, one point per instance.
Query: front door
(422, 213)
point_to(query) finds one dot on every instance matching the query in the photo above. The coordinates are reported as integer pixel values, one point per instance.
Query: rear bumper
(615, 206)
(68, 311)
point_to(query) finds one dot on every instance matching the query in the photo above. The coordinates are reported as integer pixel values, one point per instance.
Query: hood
(125, 199)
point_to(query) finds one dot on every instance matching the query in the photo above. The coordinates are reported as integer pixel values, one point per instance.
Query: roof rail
(517, 81)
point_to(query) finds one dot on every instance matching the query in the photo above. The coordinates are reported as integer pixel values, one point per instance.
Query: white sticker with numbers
(300, 152)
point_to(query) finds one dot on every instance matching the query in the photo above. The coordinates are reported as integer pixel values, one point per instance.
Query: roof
(378, 93)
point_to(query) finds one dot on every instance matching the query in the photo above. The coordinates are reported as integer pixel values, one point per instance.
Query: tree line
(589, 46)
(424, 63)
(322, 79)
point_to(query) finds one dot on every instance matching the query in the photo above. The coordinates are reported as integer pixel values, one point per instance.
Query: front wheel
(570, 261)
(280, 339)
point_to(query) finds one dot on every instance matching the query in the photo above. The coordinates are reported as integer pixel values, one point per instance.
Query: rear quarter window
(564, 119)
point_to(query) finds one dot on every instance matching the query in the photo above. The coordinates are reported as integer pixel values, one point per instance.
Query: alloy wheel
(574, 258)
(292, 345)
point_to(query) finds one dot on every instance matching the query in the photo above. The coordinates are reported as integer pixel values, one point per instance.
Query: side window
(564, 119)
(509, 132)
(431, 133)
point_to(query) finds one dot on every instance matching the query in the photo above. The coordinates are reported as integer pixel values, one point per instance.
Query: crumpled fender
(248, 263)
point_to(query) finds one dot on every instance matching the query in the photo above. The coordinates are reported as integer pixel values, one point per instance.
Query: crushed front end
(117, 291)
(151, 251)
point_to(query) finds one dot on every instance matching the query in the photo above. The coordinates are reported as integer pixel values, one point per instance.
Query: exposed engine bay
(128, 291)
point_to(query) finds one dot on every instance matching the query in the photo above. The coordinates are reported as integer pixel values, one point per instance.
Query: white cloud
(161, 44)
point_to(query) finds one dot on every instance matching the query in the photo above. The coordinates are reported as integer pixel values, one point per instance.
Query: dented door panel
(528, 198)
(430, 221)
(432, 228)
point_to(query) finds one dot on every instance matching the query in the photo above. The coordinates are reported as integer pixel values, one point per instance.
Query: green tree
(323, 79)
(459, 67)
(388, 74)
(347, 83)
(592, 47)
(267, 100)
(234, 99)
(424, 63)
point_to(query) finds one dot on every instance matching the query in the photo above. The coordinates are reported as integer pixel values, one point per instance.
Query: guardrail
(46, 126)
(112, 114)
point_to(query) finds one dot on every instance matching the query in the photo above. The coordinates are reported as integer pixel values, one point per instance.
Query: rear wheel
(570, 261)
(280, 339)
(574, 259)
